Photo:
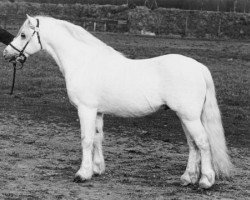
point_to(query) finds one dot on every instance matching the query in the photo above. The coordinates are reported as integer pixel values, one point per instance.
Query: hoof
(185, 180)
(194, 177)
(204, 185)
(189, 178)
(98, 169)
(79, 179)
(185, 183)
(97, 173)
(205, 182)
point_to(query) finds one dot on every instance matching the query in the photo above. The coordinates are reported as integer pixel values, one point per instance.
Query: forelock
(22, 27)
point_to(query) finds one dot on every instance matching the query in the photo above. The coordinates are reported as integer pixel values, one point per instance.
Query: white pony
(101, 80)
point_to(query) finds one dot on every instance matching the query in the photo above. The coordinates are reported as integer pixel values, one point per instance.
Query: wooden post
(5, 22)
(94, 26)
(186, 26)
(219, 28)
(105, 26)
(235, 5)
(245, 5)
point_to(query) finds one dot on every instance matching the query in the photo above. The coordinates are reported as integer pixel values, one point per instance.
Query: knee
(203, 144)
(87, 143)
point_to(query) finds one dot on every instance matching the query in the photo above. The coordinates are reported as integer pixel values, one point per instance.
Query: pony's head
(26, 43)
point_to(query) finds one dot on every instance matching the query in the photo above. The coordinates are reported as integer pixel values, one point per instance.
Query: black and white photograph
(124, 99)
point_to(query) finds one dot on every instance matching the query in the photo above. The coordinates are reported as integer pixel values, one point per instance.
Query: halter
(21, 52)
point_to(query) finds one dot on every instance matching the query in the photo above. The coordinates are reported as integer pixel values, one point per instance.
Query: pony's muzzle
(13, 57)
(8, 55)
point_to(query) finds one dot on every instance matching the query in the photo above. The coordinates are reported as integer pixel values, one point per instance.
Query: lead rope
(14, 76)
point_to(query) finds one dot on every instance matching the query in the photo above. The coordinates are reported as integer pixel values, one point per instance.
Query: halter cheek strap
(21, 52)
(38, 35)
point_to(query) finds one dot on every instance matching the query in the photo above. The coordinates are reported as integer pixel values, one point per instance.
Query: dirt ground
(40, 140)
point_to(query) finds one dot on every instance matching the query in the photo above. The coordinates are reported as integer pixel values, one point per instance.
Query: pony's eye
(23, 36)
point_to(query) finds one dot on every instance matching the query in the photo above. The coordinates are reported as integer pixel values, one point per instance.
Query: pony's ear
(31, 21)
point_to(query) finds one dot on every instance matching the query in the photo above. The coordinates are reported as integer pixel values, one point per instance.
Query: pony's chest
(81, 91)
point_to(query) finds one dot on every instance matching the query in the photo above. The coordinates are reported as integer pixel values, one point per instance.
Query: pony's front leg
(87, 118)
(98, 159)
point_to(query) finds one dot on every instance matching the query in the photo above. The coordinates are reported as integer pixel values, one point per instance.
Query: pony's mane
(81, 34)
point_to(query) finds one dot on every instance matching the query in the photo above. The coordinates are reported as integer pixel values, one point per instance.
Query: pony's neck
(70, 45)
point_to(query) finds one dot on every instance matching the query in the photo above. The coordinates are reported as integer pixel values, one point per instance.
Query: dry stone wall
(161, 21)
(182, 23)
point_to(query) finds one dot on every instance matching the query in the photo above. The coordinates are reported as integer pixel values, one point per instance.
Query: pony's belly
(128, 113)
(128, 109)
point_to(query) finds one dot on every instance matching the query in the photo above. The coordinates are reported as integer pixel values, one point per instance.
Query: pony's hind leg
(192, 172)
(198, 133)
(98, 159)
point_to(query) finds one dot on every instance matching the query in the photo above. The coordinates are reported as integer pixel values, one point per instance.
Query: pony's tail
(211, 120)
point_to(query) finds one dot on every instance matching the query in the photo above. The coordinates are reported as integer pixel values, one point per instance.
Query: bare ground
(145, 157)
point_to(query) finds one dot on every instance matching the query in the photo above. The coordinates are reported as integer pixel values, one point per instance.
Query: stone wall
(182, 23)
(162, 21)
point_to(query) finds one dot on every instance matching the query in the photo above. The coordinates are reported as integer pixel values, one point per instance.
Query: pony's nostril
(5, 53)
